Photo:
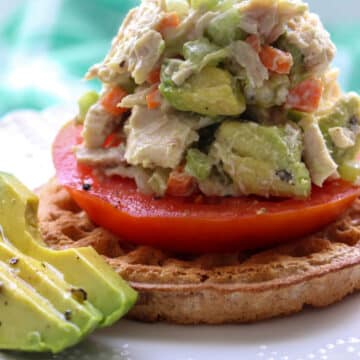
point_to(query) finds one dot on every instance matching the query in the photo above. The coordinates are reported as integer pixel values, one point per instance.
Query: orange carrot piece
(306, 96)
(170, 20)
(154, 76)
(111, 100)
(153, 99)
(276, 60)
(180, 184)
(112, 140)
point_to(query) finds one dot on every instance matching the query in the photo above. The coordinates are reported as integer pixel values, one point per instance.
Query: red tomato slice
(187, 225)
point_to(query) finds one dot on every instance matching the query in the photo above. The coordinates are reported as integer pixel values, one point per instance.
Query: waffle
(216, 288)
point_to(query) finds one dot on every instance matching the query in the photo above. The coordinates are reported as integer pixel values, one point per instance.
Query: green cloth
(46, 46)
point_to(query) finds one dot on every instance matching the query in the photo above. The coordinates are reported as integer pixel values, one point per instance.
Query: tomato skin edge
(175, 234)
(195, 232)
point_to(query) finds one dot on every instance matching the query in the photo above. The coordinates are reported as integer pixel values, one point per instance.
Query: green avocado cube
(198, 164)
(211, 92)
(341, 130)
(263, 160)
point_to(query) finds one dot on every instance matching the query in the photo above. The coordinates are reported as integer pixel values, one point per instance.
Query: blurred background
(46, 46)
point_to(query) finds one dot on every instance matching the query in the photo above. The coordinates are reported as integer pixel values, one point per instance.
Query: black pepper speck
(285, 176)
(86, 186)
(13, 261)
(68, 315)
(79, 295)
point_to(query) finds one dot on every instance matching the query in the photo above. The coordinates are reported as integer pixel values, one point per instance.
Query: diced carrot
(111, 100)
(170, 20)
(112, 140)
(180, 184)
(153, 99)
(276, 60)
(306, 96)
(154, 76)
(254, 42)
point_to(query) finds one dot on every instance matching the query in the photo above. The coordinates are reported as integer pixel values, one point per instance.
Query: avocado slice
(211, 92)
(29, 322)
(341, 130)
(82, 268)
(263, 160)
(47, 283)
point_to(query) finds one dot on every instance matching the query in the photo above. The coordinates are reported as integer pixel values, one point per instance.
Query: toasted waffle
(217, 288)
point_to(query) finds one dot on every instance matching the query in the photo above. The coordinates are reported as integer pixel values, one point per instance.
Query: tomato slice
(187, 224)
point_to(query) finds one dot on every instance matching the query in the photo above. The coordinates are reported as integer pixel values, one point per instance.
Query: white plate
(326, 334)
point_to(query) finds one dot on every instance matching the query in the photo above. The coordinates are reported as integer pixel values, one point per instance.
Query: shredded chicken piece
(138, 98)
(137, 47)
(268, 18)
(101, 157)
(97, 126)
(140, 176)
(201, 25)
(156, 138)
(308, 34)
(248, 58)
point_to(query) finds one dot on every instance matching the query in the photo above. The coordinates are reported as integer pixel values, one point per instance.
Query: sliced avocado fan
(72, 291)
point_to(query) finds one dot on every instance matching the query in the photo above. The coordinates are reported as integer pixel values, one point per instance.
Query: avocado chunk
(47, 283)
(341, 131)
(211, 92)
(198, 164)
(83, 268)
(263, 160)
(29, 322)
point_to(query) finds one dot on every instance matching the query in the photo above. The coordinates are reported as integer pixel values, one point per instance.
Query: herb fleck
(354, 123)
(13, 261)
(79, 295)
(68, 315)
(86, 186)
(285, 176)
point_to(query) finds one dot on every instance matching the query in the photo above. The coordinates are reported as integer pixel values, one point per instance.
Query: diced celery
(350, 170)
(204, 4)
(85, 102)
(198, 164)
(224, 5)
(295, 115)
(196, 50)
(224, 28)
(298, 70)
(181, 7)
